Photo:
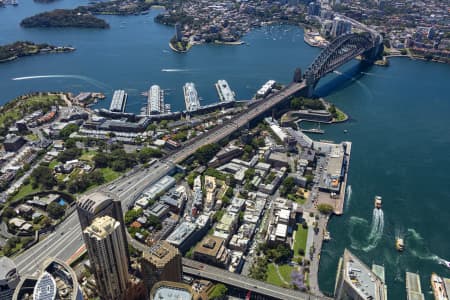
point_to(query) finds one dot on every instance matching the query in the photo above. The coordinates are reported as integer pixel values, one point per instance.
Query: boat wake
(349, 197)
(359, 225)
(417, 247)
(175, 70)
(376, 231)
(92, 81)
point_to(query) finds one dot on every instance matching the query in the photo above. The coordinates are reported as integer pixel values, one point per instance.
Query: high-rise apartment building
(108, 256)
(100, 204)
(161, 262)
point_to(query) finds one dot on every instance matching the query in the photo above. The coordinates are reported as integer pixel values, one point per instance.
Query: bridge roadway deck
(67, 238)
(195, 268)
(239, 121)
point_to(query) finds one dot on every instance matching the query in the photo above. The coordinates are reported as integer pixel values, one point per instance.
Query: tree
(101, 160)
(288, 186)
(55, 211)
(9, 213)
(325, 209)
(132, 215)
(206, 153)
(44, 176)
(69, 154)
(68, 130)
(96, 177)
(296, 103)
(218, 292)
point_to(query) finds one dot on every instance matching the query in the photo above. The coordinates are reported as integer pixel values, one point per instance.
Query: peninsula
(64, 18)
(24, 48)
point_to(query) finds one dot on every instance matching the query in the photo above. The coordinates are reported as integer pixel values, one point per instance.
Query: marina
(118, 102)
(224, 91)
(316, 130)
(191, 97)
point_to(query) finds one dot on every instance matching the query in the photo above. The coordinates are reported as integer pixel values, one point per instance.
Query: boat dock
(224, 91)
(313, 130)
(155, 101)
(191, 97)
(413, 288)
(439, 287)
(118, 102)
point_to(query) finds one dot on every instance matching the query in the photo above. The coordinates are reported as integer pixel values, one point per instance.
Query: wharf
(338, 200)
(413, 288)
(313, 130)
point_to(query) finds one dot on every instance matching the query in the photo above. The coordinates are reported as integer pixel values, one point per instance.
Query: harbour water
(399, 122)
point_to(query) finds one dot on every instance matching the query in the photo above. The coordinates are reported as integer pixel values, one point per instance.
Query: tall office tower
(108, 256)
(162, 262)
(99, 204)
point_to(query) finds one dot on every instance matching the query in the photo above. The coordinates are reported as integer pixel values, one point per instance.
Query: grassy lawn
(340, 115)
(88, 155)
(25, 190)
(32, 137)
(286, 271)
(300, 239)
(109, 174)
(296, 198)
(16, 110)
(272, 274)
(53, 164)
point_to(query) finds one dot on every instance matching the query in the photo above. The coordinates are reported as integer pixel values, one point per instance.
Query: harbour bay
(399, 119)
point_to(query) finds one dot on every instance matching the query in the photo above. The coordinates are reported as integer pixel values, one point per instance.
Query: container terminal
(224, 91)
(191, 97)
(118, 102)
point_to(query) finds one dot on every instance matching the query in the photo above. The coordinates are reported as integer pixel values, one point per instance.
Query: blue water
(399, 122)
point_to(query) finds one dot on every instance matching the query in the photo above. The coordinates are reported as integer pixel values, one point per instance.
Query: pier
(224, 91)
(191, 97)
(118, 102)
(413, 288)
(155, 100)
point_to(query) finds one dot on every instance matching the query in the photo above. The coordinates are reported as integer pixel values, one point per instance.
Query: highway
(198, 269)
(239, 121)
(67, 238)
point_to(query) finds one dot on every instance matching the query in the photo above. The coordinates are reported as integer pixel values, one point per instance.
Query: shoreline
(236, 43)
(178, 51)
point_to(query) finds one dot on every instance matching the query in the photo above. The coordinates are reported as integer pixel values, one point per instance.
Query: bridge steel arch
(343, 49)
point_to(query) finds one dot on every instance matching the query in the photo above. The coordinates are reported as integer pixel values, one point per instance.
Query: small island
(24, 48)
(64, 18)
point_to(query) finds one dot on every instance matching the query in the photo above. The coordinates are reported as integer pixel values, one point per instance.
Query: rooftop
(361, 278)
(101, 227)
(94, 202)
(181, 233)
(6, 266)
(160, 253)
(165, 290)
(210, 245)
